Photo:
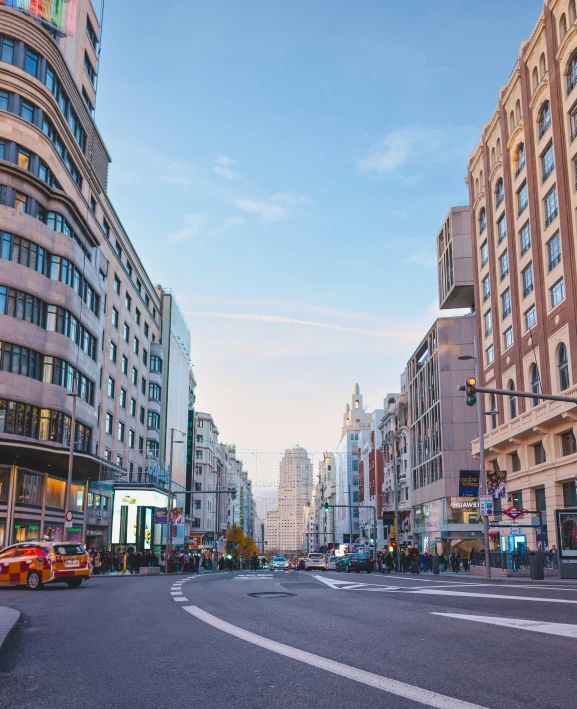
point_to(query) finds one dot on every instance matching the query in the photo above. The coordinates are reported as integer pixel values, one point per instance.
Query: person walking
(442, 562)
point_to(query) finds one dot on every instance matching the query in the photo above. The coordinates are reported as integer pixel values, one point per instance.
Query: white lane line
(392, 686)
(180, 600)
(176, 593)
(564, 629)
(416, 577)
(500, 596)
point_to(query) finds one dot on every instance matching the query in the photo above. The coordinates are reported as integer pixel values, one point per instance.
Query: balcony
(554, 262)
(506, 312)
(486, 296)
(544, 127)
(519, 170)
(504, 273)
(571, 82)
(528, 289)
(548, 171)
(551, 216)
(499, 200)
(522, 207)
(573, 134)
(525, 248)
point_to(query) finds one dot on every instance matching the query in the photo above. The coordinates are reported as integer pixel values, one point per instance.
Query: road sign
(513, 512)
(366, 542)
(485, 505)
(68, 515)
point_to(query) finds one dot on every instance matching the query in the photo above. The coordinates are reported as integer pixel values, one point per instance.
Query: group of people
(230, 564)
(131, 561)
(413, 561)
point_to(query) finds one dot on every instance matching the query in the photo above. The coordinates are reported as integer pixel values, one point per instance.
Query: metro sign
(513, 512)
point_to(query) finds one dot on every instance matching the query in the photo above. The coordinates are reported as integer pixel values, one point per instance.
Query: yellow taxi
(34, 564)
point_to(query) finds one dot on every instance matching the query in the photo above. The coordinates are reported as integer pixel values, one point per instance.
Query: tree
(241, 542)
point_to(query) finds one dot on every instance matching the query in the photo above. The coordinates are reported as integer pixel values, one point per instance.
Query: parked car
(354, 562)
(315, 560)
(34, 564)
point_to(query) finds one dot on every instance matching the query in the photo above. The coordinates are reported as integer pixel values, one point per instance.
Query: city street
(341, 640)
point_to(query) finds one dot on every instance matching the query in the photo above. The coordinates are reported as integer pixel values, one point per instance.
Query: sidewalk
(548, 580)
(8, 619)
(128, 575)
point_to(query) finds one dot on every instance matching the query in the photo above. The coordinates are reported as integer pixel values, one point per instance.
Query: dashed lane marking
(385, 684)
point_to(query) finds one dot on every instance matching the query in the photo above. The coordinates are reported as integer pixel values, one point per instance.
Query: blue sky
(285, 167)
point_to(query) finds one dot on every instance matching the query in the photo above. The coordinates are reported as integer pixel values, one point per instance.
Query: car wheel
(34, 581)
(368, 572)
(74, 583)
(358, 571)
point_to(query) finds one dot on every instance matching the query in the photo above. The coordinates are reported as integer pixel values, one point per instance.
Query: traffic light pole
(481, 432)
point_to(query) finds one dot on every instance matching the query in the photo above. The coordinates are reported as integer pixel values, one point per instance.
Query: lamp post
(68, 511)
(169, 501)
(481, 433)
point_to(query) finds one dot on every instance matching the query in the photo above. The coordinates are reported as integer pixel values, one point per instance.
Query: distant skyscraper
(295, 489)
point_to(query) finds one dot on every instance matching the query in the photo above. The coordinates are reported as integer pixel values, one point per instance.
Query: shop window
(569, 494)
(517, 499)
(55, 493)
(29, 490)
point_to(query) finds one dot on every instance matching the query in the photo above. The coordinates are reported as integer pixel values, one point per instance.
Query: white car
(278, 562)
(332, 563)
(315, 561)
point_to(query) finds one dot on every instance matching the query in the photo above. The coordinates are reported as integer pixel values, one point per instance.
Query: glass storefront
(24, 532)
(4, 482)
(29, 489)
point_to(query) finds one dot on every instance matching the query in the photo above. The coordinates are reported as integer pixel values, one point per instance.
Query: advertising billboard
(497, 483)
(61, 14)
(468, 483)
(131, 500)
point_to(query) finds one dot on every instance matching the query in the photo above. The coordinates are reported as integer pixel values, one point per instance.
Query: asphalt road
(341, 640)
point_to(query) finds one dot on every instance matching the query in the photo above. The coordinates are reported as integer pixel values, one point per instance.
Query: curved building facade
(78, 311)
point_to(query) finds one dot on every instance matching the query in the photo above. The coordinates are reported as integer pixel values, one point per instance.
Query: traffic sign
(513, 512)
(485, 505)
(68, 515)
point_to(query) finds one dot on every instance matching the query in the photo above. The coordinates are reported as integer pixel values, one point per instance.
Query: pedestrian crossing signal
(471, 391)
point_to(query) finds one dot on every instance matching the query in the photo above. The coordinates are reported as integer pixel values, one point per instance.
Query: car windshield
(279, 558)
(316, 556)
(68, 549)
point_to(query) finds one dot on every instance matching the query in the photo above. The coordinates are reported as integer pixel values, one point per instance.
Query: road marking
(180, 600)
(564, 629)
(176, 593)
(392, 686)
(500, 596)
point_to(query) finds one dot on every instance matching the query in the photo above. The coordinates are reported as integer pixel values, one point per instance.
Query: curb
(9, 617)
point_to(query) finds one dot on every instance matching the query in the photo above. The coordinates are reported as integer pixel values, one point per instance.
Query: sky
(285, 166)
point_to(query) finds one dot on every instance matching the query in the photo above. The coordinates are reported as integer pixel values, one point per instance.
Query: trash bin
(436, 564)
(414, 567)
(536, 565)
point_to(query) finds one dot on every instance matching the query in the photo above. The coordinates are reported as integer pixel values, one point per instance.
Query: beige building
(522, 178)
(294, 492)
(76, 304)
(271, 531)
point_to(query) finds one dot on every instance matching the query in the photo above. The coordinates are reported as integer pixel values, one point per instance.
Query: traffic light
(372, 540)
(326, 506)
(471, 391)
(307, 532)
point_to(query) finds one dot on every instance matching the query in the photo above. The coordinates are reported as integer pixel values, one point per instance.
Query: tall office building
(521, 177)
(294, 492)
(77, 307)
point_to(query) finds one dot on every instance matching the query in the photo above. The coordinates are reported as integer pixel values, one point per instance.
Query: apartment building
(78, 311)
(271, 531)
(522, 179)
(294, 492)
(206, 475)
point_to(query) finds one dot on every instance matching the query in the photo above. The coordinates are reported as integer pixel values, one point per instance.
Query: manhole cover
(271, 594)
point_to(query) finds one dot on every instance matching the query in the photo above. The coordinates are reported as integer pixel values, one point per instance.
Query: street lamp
(169, 501)
(481, 433)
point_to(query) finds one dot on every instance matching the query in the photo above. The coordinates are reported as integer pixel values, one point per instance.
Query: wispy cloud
(195, 224)
(223, 166)
(308, 323)
(412, 144)
(424, 257)
(266, 211)
(291, 199)
(227, 225)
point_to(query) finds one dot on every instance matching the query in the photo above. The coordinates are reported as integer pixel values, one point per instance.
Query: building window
(525, 238)
(114, 318)
(504, 264)
(117, 284)
(563, 364)
(568, 444)
(155, 363)
(486, 288)
(131, 439)
(135, 377)
(109, 422)
(482, 220)
(122, 397)
(488, 323)
(547, 162)
(554, 251)
(199, 455)
(27, 111)
(127, 301)
(121, 431)
(544, 119)
(502, 228)
(530, 318)
(91, 34)
(106, 228)
(146, 329)
(508, 337)
(113, 352)
(490, 355)
(111, 387)
(124, 364)
(569, 494)
(153, 420)
(21, 203)
(572, 74)
(89, 69)
(133, 407)
(136, 346)
(535, 383)
(550, 203)
(31, 63)
(512, 399)
(499, 192)
(539, 453)
(515, 462)
(197, 504)
(143, 385)
(557, 293)
(154, 392)
(126, 332)
(519, 159)
(23, 158)
(6, 50)
(484, 254)
(506, 303)
(527, 275)
(522, 198)
(144, 357)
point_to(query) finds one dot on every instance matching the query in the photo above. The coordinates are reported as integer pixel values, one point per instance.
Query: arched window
(544, 118)
(563, 26)
(493, 408)
(481, 181)
(572, 11)
(542, 65)
(535, 383)
(476, 186)
(499, 192)
(482, 220)
(572, 73)
(520, 157)
(512, 400)
(498, 148)
(492, 157)
(518, 110)
(563, 364)
(535, 78)
(511, 122)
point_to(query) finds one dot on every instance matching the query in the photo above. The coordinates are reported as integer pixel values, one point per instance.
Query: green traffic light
(472, 400)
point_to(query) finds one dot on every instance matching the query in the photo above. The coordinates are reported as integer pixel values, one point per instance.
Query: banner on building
(468, 483)
(497, 483)
(160, 515)
(388, 519)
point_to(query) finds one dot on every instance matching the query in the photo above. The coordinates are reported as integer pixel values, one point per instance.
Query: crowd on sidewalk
(130, 562)
(412, 561)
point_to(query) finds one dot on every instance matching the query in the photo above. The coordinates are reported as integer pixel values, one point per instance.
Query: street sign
(513, 512)
(68, 516)
(485, 505)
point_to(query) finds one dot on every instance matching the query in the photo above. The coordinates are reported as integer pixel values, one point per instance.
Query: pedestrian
(442, 562)
(465, 562)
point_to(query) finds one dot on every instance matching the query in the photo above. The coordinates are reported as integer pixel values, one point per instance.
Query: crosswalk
(253, 577)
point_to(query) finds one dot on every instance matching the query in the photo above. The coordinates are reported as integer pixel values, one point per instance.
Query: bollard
(536, 565)
(436, 564)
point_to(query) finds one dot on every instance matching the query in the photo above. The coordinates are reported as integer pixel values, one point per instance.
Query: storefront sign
(462, 504)
(468, 483)
(485, 505)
